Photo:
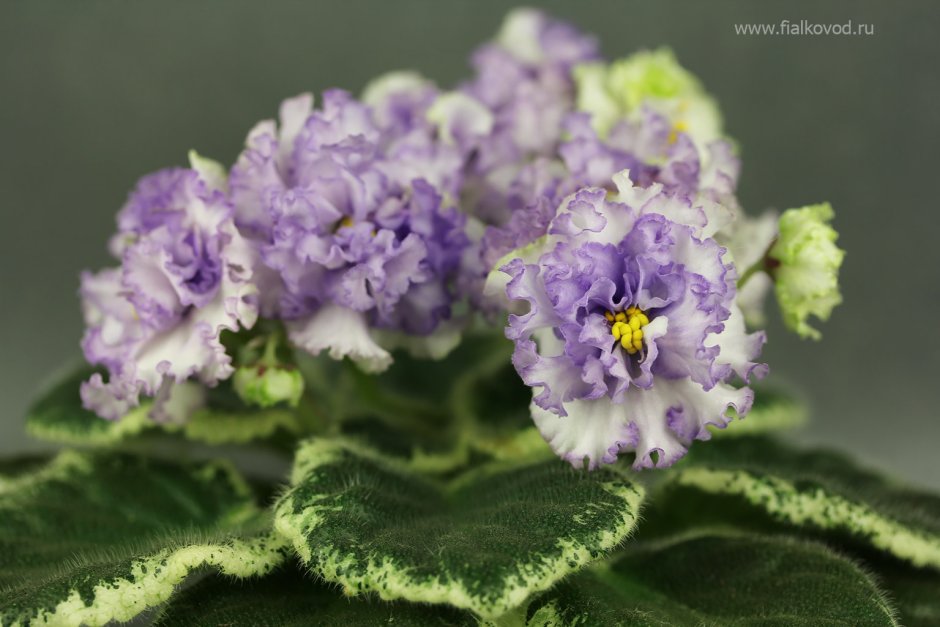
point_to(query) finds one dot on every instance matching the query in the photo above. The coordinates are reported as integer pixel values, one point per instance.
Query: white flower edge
(342, 332)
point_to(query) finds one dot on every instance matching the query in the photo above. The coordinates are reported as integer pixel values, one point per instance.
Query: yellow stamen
(626, 327)
(347, 221)
(678, 127)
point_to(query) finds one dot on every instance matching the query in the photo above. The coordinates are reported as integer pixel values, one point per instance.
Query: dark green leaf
(717, 578)
(914, 591)
(817, 491)
(91, 538)
(58, 416)
(289, 598)
(484, 541)
(441, 415)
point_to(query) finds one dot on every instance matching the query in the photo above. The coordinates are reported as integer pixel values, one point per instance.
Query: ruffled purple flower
(541, 149)
(631, 339)
(352, 206)
(185, 276)
(653, 151)
(524, 79)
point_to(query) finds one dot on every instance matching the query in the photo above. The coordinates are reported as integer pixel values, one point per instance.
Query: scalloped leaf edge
(551, 615)
(392, 583)
(153, 579)
(783, 500)
(207, 426)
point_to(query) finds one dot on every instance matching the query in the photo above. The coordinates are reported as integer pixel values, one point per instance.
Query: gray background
(95, 94)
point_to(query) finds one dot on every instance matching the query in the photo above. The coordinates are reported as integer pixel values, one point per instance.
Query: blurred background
(97, 93)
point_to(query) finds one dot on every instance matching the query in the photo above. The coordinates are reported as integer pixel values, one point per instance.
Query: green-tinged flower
(652, 78)
(211, 171)
(807, 277)
(266, 386)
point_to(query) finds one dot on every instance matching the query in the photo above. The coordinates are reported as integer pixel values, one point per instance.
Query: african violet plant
(419, 300)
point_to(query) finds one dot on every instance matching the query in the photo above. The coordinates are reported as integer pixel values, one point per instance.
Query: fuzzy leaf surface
(484, 540)
(90, 538)
(58, 416)
(290, 597)
(717, 578)
(815, 491)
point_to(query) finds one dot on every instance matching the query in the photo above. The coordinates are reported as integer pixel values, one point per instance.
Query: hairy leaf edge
(782, 499)
(397, 583)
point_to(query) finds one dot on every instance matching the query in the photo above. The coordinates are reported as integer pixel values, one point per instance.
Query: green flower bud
(268, 386)
(805, 265)
(652, 78)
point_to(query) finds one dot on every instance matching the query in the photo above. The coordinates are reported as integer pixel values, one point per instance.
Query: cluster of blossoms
(593, 202)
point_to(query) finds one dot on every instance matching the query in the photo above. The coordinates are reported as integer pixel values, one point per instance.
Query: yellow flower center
(678, 127)
(627, 328)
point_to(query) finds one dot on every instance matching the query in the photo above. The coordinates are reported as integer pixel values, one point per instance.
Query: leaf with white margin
(91, 538)
(819, 491)
(226, 419)
(292, 597)
(483, 541)
(717, 578)
(58, 416)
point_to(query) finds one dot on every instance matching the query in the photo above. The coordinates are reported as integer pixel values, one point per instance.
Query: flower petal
(738, 348)
(658, 423)
(344, 333)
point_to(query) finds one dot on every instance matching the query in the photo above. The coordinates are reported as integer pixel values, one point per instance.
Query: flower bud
(805, 265)
(267, 386)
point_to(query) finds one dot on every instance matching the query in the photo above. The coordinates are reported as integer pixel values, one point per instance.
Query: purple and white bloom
(632, 339)
(541, 149)
(156, 321)
(523, 78)
(352, 208)
(651, 80)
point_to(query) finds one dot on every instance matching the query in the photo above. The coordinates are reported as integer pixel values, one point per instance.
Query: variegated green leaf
(724, 579)
(13, 467)
(819, 491)
(58, 416)
(484, 541)
(226, 419)
(290, 597)
(91, 538)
